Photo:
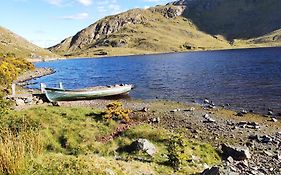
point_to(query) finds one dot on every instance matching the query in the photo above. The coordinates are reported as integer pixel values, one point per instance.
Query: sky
(47, 22)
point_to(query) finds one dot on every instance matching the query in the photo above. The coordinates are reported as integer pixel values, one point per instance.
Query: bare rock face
(169, 11)
(237, 153)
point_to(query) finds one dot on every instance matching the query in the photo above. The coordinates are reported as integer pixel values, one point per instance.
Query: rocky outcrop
(169, 11)
(237, 153)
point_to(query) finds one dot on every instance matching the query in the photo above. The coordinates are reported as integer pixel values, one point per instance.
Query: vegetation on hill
(32, 143)
(179, 26)
(12, 43)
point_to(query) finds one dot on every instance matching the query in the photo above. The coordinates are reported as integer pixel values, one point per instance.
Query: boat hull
(55, 95)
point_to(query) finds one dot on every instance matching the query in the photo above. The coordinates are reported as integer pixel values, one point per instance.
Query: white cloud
(151, 0)
(78, 16)
(109, 7)
(85, 2)
(54, 2)
(69, 2)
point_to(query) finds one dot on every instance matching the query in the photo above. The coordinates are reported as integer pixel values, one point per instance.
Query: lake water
(246, 79)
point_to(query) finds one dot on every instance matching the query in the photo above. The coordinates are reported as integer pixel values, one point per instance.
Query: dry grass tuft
(16, 149)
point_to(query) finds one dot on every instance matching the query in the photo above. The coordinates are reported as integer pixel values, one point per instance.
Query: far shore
(36, 60)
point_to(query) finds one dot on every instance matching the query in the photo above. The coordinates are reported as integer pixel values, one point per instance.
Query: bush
(11, 67)
(115, 111)
(176, 149)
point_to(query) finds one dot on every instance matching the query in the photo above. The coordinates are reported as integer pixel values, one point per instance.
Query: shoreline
(216, 126)
(33, 74)
(150, 54)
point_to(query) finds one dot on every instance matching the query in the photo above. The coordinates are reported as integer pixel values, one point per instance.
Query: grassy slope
(155, 35)
(236, 19)
(204, 27)
(71, 145)
(12, 43)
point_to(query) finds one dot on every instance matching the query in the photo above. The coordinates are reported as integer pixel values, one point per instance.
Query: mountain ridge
(178, 26)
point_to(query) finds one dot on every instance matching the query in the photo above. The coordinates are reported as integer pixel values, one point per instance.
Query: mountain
(180, 26)
(13, 43)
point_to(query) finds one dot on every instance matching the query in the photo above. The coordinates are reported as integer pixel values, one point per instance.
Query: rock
(277, 156)
(209, 120)
(268, 153)
(243, 164)
(190, 110)
(109, 172)
(251, 125)
(274, 119)
(143, 145)
(40, 102)
(239, 114)
(206, 101)
(266, 139)
(175, 110)
(230, 159)
(144, 109)
(237, 153)
(154, 120)
(253, 137)
(270, 112)
(211, 171)
(20, 102)
(206, 116)
(28, 100)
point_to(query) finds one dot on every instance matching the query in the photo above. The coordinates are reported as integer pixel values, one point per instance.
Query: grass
(59, 140)
(12, 43)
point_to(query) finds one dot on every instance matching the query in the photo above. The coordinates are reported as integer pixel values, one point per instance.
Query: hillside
(180, 26)
(12, 43)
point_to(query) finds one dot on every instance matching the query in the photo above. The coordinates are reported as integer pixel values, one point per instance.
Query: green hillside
(235, 19)
(180, 26)
(12, 43)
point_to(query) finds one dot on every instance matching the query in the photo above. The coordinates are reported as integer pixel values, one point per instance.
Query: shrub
(176, 151)
(11, 67)
(115, 111)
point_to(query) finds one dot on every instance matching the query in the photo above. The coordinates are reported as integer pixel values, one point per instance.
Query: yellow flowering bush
(115, 111)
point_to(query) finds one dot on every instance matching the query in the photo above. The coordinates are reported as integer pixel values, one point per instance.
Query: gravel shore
(33, 74)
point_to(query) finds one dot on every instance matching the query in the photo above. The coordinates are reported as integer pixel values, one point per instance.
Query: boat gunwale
(90, 89)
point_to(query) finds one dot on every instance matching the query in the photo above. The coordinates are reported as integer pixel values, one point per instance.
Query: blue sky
(47, 22)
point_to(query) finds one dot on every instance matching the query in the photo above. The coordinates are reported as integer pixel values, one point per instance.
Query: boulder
(211, 171)
(143, 145)
(20, 102)
(237, 153)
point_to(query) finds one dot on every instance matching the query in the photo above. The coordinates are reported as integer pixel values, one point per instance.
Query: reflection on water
(248, 78)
